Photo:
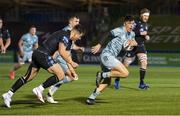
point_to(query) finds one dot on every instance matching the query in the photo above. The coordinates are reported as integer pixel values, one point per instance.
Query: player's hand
(74, 64)
(95, 48)
(132, 43)
(147, 37)
(75, 76)
(82, 49)
(3, 50)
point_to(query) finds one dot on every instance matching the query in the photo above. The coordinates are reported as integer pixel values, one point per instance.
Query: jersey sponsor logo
(146, 27)
(141, 30)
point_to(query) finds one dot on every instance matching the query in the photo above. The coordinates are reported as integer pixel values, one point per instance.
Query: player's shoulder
(117, 31)
(120, 29)
(58, 33)
(137, 21)
(25, 35)
(67, 28)
(36, 37)
(63, 34)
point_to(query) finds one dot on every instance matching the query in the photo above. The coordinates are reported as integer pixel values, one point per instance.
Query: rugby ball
(127, 47)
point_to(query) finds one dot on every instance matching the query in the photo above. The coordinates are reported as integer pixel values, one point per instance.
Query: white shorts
(109, 61)
(27, 57)
(62, 63)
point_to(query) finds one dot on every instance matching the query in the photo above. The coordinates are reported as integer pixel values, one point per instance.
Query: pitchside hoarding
(165, 33)
(164, 45)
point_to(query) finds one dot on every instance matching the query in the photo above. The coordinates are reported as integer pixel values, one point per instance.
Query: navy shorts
(41, 59)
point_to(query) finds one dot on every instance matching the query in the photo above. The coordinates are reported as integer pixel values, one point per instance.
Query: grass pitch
(162, 98)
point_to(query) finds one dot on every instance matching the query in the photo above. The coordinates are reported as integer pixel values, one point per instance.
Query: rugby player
(111, 66)
(60, 41)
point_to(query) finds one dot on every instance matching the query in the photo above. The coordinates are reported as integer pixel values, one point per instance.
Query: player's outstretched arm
(96, 48)
(76, 47)
(66, 55)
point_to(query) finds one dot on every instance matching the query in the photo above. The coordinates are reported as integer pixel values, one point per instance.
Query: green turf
(162, 98)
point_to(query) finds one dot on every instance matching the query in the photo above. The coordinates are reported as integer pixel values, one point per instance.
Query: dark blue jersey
(140, 27)
(4, 34)
(51, 44)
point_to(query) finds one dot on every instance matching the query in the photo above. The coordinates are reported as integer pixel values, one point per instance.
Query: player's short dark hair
(80, 29)
(73, 16)
(32, 26)
(144, 10)
(128, 18)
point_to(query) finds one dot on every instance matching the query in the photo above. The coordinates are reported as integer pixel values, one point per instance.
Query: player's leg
(97, 91)
(103, 79)
(18, 65)
(128, 58)
(58, 76)
(143, 66)
(50, 65)
(118, 71)
(30, 74)
(55, 87)
(66, 79)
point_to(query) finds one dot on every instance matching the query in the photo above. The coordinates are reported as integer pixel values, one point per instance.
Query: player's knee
(59, 73)
(143, 58)
(60, 76)
(145, 63)
(126, 64)
(125, 73)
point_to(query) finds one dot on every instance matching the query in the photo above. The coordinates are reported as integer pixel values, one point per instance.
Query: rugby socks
(94, 94)
(50, 81)
(117, 79)
(66, 80)
(19, 83)
(55, 87)
(142, 75)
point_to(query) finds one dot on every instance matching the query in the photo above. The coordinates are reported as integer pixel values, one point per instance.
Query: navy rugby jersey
(4, 34)
(51, 44)
(140, 27)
